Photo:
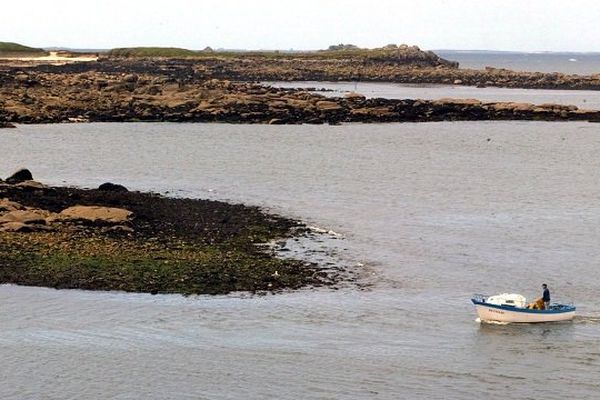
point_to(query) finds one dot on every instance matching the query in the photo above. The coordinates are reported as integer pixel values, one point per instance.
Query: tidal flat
(114, 239)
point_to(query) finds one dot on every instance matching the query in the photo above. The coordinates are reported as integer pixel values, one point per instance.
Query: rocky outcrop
(6, 206)
(30, 216)
(179, 91)
(21, 175)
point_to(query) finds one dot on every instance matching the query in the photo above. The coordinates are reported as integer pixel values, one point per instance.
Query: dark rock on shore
(21, 175)
(112, 187)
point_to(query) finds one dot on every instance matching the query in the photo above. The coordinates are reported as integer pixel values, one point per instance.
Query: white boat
(511, 307)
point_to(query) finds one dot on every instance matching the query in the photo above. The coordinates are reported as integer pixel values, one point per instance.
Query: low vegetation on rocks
(141, 242)
(9, 49)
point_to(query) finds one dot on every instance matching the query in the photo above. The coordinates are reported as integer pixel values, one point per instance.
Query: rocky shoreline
(178, 91)
(114, 239)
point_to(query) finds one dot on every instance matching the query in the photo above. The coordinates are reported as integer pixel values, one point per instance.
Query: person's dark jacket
(546, 296)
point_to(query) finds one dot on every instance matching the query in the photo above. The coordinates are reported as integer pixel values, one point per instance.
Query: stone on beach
(108, 215)
(22, 227)
(8, 205)
(20, 176)
(31, 185)
(112, 187)
(34, 216)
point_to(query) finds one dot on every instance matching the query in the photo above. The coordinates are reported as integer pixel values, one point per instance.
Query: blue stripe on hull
(563, 310)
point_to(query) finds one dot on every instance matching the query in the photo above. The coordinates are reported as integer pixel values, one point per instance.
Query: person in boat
(546, 297)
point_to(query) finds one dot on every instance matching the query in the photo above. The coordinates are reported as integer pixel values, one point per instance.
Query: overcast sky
(525, 25)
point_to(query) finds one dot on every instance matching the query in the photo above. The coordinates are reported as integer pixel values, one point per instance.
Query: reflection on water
(437, 211)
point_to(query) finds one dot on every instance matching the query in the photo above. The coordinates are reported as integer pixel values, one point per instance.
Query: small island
(111, 238)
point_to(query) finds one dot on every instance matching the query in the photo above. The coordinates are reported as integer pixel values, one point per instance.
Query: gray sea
(583, 99)
(428, 213)
(565, 62)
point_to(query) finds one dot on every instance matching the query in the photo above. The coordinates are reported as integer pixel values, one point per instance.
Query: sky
(517, 25)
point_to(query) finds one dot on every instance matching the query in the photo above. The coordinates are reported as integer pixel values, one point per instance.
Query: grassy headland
(9, 49)
(403, 54)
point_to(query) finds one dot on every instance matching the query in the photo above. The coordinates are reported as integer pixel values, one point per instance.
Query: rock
(7, 205)
(6, 124)
(460, 102)
(131, 78)
(112, 187)
(21, 175)
(32, 185)
(154, 90)
(511, 106)
(101, 83)
(29, 217)
(354, 96)
(93, 214)
(325, 105)
(458, 82)
(21, 77)
(120, 229)
(276, 121)
(21, 227)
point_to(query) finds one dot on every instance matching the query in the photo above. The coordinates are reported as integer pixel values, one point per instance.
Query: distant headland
(173, 84)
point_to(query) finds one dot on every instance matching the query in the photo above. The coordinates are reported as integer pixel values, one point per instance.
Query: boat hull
(489, 312)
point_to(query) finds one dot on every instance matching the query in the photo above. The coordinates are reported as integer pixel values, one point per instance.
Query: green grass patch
(10, 48)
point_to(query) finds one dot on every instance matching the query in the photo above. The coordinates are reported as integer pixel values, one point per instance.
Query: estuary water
(434, 211)
(584, 99)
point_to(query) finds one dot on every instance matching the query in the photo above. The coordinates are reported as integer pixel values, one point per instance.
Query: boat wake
(587, 319)
(479, 321)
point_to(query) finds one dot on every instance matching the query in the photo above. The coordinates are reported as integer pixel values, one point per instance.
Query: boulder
(460, 102)
(21, 175)
(112, 187)
(131, 78)
(6, 206)
(354, 96)
(511, 106)
(96, 214)
(21, 227)
(325, 105)
(29, 217)
(31, 185)
(14, 227)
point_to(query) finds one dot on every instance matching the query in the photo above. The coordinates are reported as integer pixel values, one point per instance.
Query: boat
(512, 307)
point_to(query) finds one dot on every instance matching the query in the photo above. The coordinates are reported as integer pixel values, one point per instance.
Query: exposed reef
(180, 90)
(111, 238)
